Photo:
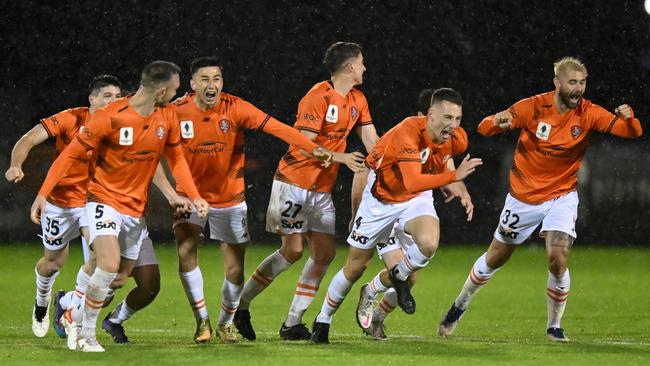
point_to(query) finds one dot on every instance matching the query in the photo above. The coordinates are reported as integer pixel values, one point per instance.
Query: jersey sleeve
(249, 116)
(602, 120)
(522, 113)
(406, 145)
(97, 127)
(459, 142)
(364, 113)
(56, 124)
(311, 110)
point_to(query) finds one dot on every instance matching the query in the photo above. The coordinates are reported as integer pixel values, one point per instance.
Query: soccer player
(300, 208)
(398, 190)
(63, 217)
(127, 137)
(555, 130)
(212, 127)
(370, 313)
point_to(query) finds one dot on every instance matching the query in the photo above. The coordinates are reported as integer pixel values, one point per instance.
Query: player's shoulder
(409, 126)
(319, 90)
(544, 100)
(71, 115)
(183, 101)
(356, 93)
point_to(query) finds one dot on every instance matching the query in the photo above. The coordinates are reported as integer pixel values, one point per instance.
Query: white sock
(193, 284)
(121, 313)
(95, 296)
(308, 283)
(44, 288)
(479, 275)
(412, 261)
(73, 298)
(387, 304)
(375, 287)
(230, 294)
(265, 273)
(336, 292)
(557, 292)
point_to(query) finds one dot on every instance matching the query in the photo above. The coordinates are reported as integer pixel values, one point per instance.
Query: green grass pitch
(607, 317)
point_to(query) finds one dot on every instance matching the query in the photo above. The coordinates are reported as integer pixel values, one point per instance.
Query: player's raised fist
(503, 120)
(624, 111)
(14, 174)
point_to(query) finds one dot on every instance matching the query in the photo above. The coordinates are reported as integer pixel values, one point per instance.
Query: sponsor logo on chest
(543, 131)
(126, 136)
(187, 129)
(332, 115)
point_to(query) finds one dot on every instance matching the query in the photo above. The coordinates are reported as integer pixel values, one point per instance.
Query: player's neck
(205, 107)
(559, 105)
(143, 102)
(342, 84)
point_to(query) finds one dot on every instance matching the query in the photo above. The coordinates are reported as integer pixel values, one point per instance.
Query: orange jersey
(405, 153)
(551, 145)
(64, 127)
(325, 112)
(213, 144)
(127, 148)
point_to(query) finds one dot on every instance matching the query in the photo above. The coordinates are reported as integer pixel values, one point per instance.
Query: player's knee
(354, 270)
(557, 263)
(291, 255)
(428, 246)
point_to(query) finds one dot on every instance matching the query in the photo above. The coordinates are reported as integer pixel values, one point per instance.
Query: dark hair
(206, 61)
(424, 101)
(157, 73)
(101, 81)
(338, 53)
(447, 94)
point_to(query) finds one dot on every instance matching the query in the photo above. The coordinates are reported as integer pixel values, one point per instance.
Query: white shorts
(296, 210)
(398, 240)
(130, 231)
(227, 224)
(147, 255)
(375, 220)
(519, 220)
(61, 225)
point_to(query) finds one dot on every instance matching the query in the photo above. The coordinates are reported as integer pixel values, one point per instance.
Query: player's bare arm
(353, 160)
(458, 189)
(34, 137)
(178, 203)
(368, 136)
(358, 184)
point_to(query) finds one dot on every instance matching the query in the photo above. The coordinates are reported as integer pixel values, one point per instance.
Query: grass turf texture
(607, 317)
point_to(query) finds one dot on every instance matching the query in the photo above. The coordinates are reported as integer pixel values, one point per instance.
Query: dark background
(493, 52)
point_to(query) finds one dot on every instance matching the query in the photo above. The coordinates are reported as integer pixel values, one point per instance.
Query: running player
(398, 190)
(128, 138)
(555, 130)
(63, 218)
(370, 312)
(300, 208)
(212, 127)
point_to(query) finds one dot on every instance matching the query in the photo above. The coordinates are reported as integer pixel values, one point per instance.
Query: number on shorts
(291, 205)
(99, 211)
(51, 226)
(515, 219)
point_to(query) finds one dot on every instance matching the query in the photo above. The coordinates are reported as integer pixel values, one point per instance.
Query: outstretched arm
(625, 125)
(34, 137)
(415, 181)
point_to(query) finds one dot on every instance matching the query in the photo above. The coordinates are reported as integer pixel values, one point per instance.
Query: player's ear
(192, 84)
(556, 82)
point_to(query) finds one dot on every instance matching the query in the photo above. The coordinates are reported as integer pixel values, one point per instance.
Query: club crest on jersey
(160, 132)
(576, 131)
(224, 125)
(543, 131)
(187, 130)
(126, 136)
(332, 115)
(354, 113)
(424, 155)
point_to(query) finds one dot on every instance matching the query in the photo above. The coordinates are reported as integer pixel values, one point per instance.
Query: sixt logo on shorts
(52, 241)
(508, 233)
(291, 224)
(106, 224)
(359, 238)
